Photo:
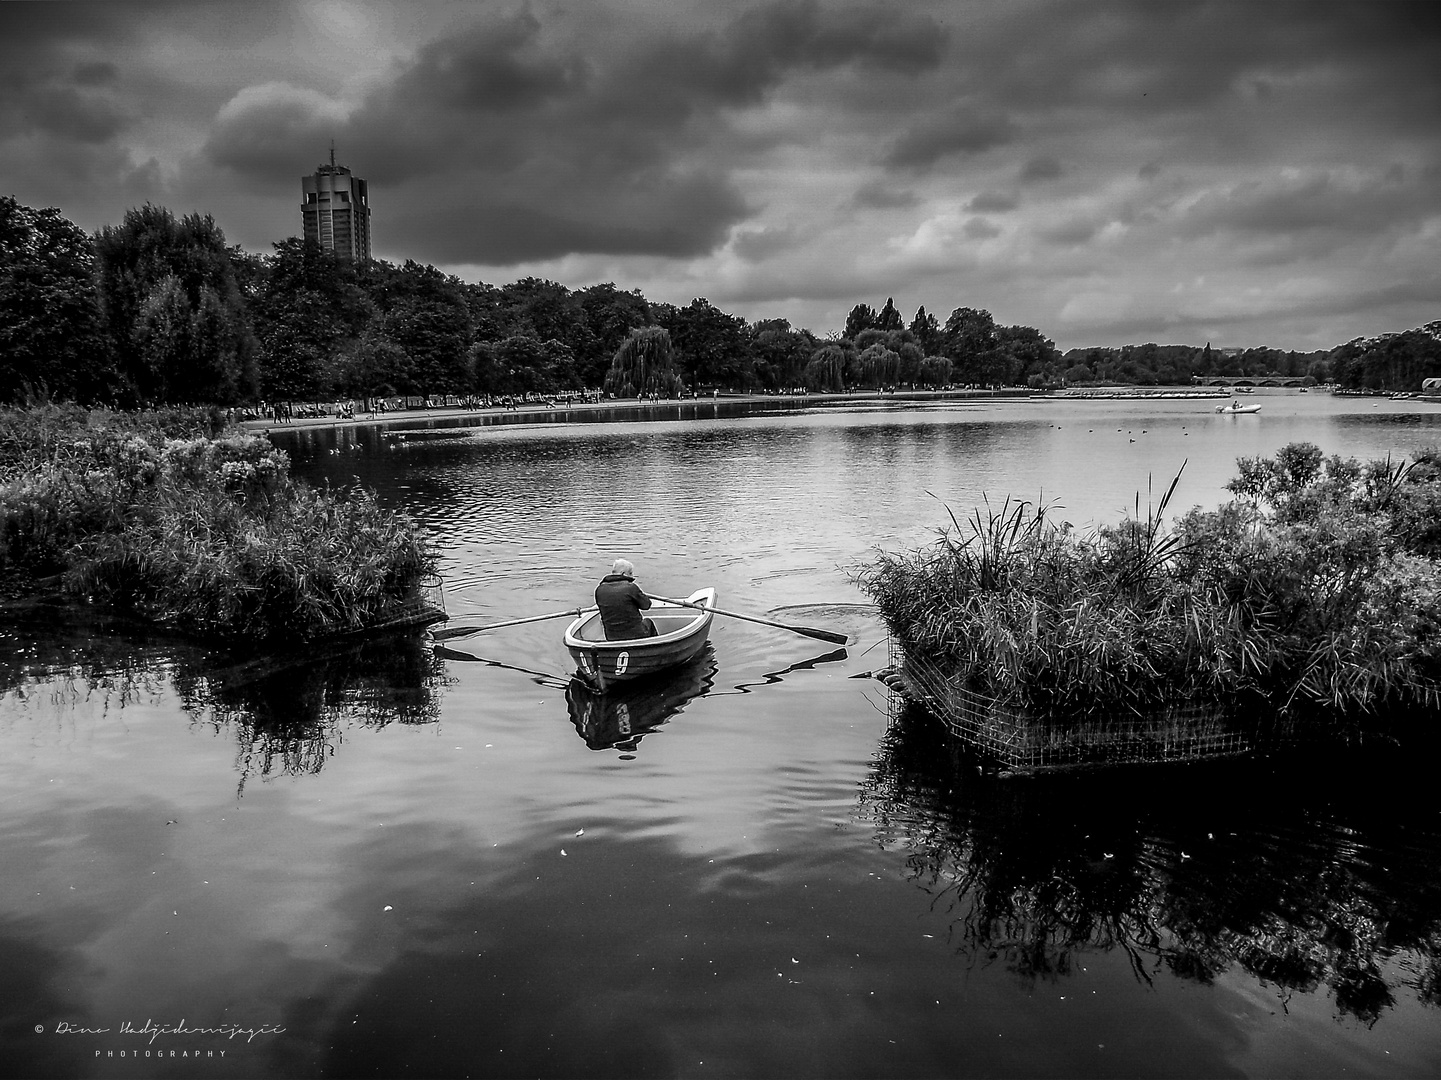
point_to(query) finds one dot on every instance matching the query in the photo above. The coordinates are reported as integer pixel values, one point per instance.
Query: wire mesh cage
(1024, 742)
(425, 605)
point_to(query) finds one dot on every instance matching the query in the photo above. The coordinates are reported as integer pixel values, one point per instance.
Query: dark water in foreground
(450, 862)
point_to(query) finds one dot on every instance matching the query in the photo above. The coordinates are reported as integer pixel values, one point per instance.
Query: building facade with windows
(335, 211)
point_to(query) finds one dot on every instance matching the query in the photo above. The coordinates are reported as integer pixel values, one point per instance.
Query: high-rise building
(336, 211)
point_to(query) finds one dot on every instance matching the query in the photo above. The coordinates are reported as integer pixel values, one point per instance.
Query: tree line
(160, 310)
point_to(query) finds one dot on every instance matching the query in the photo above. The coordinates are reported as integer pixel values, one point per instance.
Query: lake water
(451, 862)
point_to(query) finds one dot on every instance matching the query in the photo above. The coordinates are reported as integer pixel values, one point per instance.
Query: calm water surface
(450, 862)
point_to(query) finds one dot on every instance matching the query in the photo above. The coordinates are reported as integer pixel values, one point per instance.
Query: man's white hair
(622, 566)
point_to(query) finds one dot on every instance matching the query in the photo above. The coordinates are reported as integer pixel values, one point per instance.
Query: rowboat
(681, 633)
(1236, 407)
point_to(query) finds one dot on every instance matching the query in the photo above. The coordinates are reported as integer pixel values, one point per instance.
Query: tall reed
(1317, 586)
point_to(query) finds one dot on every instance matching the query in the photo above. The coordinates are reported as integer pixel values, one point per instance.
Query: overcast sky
(1246, 173)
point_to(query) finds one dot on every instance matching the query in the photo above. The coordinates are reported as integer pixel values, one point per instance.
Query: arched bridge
(1253, 380)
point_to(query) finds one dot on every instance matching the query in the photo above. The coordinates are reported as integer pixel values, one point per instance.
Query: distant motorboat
(1236, 407)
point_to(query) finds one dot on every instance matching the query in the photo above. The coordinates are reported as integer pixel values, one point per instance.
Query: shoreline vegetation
(180, 519)
(1312, 597)
(161, 310)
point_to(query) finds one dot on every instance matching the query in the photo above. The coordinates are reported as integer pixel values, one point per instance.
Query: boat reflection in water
(618, 718)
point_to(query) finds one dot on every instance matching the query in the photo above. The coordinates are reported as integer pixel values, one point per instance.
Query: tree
(971, 342)
(935, 371)
(927, 331)
(522, 364)
(911, 356)
(712, 348)
(889, 318)
(610, 315)
(1027, 352)
(174, 314)
(862, 317)
(879, 366)
(309, 312)
(825, 369)
(374, 367)
(644, 364)
(51, 340)
(425, 313)
(1401, 361)
(781, 353)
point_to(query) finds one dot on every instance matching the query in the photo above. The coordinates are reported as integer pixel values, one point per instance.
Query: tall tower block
(335, 211)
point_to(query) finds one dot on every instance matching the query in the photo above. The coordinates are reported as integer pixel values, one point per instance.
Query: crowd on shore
(361, 410)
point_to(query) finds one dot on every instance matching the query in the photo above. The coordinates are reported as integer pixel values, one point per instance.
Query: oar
(464, 631)
(808, 631)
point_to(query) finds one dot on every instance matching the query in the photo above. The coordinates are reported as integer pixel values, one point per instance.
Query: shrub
(1317, 586)
(205, 534)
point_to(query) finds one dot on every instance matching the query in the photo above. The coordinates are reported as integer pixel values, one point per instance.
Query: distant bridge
(1253, 380)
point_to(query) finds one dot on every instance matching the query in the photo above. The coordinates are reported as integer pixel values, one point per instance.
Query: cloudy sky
(1240, 173)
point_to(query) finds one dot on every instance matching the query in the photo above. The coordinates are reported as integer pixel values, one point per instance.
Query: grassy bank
(1315, 591)
(175, 518)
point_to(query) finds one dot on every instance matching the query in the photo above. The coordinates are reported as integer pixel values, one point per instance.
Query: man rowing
(621, 602)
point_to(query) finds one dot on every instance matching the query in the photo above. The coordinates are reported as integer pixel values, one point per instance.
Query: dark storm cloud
(686, 215)
(966, 130)
(67, 112)
(1070, 233)
(978, 228)
(757, 244)
(546, 147)
(44, 92)
(1318, 201)
(749, 57)
(879, 196)
(99, 73)
(500, 68)
(992, 202)
(1205, 157)
(1042, 168)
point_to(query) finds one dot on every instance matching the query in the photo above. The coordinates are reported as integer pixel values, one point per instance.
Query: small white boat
(1236, 407)
(681, 633)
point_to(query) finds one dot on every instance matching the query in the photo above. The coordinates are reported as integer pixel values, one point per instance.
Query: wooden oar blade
(821, 635)
(445, 633)
(465, 631)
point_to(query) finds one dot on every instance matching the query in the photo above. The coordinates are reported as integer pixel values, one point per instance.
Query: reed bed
(1315, 590)
(204, 533)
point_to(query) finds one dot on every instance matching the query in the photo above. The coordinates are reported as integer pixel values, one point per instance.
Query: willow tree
(826, 370)
(644, 364)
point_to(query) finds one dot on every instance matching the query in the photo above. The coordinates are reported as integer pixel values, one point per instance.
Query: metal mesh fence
(1025, 742)
(425, 606)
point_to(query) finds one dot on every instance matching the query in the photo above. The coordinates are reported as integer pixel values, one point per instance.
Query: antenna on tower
(332, 153)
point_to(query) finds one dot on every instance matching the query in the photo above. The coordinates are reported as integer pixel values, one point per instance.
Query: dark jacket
(621, 601)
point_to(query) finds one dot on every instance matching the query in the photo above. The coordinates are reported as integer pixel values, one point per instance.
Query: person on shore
(621, 602)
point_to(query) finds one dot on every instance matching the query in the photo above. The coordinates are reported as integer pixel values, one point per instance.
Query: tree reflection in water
(289, 714)
(1306, 875)
(81, 656)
